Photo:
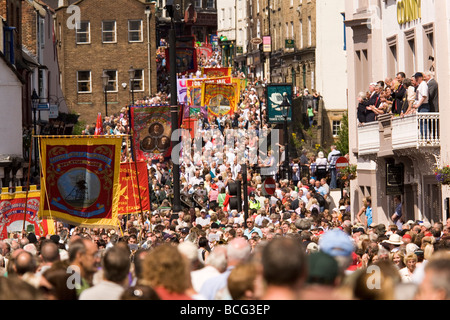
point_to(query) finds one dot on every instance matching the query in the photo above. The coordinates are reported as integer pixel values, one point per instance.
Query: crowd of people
(279, 257)
(298, 243)
(400, 96)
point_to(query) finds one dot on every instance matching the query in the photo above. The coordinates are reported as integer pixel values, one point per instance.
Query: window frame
(109, 31)
(141, 30)
(84, 81)
(87, 32)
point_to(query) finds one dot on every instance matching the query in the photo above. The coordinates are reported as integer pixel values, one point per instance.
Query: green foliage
(342, 143)
(79, 127)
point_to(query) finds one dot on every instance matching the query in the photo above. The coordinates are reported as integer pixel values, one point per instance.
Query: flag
(152, 130)
(99, 125)
(80, 180)
(129, 191)
(12, 213)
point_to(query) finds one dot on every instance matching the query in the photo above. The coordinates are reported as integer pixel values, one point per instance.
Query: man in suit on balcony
(372, 102)
(433, 91)
(398, 94)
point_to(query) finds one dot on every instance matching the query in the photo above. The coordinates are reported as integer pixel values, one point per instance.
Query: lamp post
(34, 106)
(285, 106)
(105, 79)
(132, 73)
(174, 106)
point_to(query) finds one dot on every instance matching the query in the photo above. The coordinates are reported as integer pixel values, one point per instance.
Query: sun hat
(394, 239)
(312, 247)
(336, 243)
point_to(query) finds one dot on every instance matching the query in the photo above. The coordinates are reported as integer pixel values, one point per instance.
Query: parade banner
(216, 72)
(193, 111)
(182, 91)
(80, 179)
(129, 195)
(220, 98)
(194, 88)
(12, 213)
(152, 130)
(204, 51)
(186, 60)
(274, 98)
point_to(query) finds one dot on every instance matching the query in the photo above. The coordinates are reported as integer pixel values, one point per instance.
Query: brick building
(111, 37)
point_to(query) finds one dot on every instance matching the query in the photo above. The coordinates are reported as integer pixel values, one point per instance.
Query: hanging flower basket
(347, 173)
(442, 175)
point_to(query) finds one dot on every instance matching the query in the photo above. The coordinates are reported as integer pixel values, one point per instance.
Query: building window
(83, 32)
(336, 128)
(210, 4)
(301, 34)
(84, 81)
(198, 3)
(135, 31)
(428, 47)
(112, 83)
(138, 84)
(109, 31)
(309, 32)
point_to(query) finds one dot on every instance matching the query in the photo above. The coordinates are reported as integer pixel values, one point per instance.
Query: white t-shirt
(422, 91)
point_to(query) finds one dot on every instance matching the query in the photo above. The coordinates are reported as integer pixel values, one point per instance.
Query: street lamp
(285, 107)
(105, 79)
(34, 106)
(174, 106)
(132, 73)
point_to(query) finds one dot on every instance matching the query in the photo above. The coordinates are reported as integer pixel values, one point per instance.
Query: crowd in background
(299, 243)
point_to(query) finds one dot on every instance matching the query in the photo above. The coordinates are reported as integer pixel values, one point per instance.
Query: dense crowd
(319, 257)
(295, 244)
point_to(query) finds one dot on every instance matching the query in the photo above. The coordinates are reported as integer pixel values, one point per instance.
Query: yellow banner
(80, 179)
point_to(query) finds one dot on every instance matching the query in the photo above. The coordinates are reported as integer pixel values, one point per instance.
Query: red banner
(12, 213)
(129, 197)
(80, 180)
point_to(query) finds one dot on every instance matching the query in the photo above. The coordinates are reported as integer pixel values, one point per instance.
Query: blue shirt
(369, 215)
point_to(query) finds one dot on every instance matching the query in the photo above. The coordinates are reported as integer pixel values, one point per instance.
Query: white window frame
(336, 127)
(84, 81)
(109, 31)
(88, 32)
(141, 30)
(139, 80)
(112, 82)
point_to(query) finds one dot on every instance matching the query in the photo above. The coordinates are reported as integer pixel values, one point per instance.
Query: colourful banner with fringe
(12, 213)
(80, 179)
(216, 72)
(129, 202)
(220, 98)
(152, 130)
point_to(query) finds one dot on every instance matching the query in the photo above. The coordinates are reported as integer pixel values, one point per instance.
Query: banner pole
(28, 187)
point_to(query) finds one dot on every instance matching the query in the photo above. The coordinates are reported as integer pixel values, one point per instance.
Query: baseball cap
(342, 208)
(336, 243)
(323, 268)
(185, 230)
(426, 224)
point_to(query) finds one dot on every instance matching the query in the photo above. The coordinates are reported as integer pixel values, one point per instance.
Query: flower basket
(442, 175)
(347, 173)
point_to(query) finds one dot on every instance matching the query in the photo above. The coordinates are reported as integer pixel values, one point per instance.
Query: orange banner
(129, 202)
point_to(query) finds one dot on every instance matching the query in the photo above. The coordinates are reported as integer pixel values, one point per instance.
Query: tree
(342, 141)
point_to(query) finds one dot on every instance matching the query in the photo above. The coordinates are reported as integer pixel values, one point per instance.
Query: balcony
(369, 138)
(388, 134)
(407, 133)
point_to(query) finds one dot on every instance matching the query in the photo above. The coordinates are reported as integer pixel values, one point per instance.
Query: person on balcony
(433, 91)
(421, 104)
(409, 98)
(398, 93)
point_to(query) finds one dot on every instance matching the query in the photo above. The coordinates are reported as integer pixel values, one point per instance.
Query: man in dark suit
(398, 94)
(374, 100)
(433, 91)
